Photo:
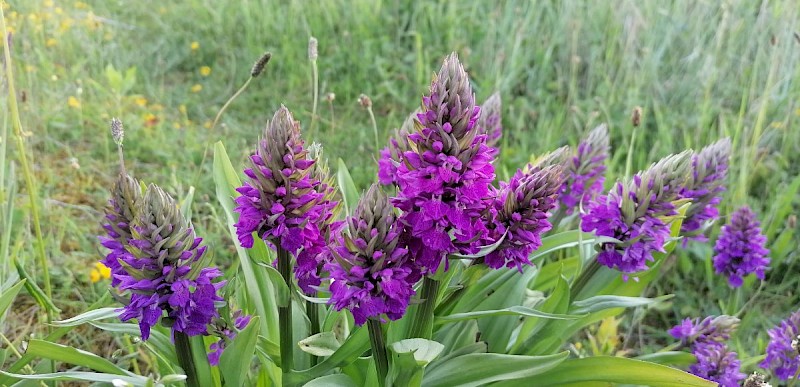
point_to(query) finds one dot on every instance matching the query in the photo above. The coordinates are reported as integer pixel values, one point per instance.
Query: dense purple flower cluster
(443, 181)
(371, 273)
(584, 170)
(122, 206)
(705, 187)
(164, 268)
(706, 338)
(717, 363)
(710, 329)
(740, 249)
(520, 212)
(278, 201)
(490, 122)
(637, 213)
(783, 354)
(312, 257)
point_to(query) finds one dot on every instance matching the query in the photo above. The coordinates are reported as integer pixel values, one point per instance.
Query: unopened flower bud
(117, 131)
(312, 48)
(260, 64)
(364, 101)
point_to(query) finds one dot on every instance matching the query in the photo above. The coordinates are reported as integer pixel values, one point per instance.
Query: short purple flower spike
(704, 188)
(637, 213)
(717, 363)
(710, 329)
(584, 170)
(278, 200)
(370, 271)
(520, 212)
(124, 198)
(740, 249)
(162, 265)
(444, 179)
(783, 351)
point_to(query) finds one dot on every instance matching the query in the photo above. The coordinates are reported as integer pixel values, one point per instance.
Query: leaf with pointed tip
(321, 344)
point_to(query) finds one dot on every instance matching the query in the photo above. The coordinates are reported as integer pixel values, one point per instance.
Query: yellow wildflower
(197, 88)
(205, 71)
(49, 3)
(176, 125)
(104, 270)
(81, 5)
(182, 109)
(51, 42)
(150, 119)
(94, 276)
(207, 124)
(195, 46)
(141, 101)
(73, 102)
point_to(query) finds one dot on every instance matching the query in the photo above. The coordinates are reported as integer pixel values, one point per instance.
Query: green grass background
(699, 70)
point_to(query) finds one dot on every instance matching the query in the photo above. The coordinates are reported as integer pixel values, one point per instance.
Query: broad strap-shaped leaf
(83, 376)
(321, 344)
(335, 380)
(235, 360)
(478, 369)
(350, 193)
(510, 311)
(9, 295)
(610, 369)
(603, 302)
(63, 353)
(89, 316)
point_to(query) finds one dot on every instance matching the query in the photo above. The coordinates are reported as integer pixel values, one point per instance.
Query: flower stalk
(285, 313)
(183, 349)
(422, 326)
(379, 354)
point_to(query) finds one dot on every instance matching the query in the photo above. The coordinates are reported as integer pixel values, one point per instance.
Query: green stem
(285, 314)
(422, 326)
(378, 350)
(629, 160)
(184, 351)
(312, 310)
(374, 128)
(26, 168)
(230, 100)
(583, 279)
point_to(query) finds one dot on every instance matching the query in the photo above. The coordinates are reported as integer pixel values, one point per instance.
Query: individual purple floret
(166, 271)
(637, 212)
(120, 213)
(392, 156)
(370, 271)
(490, 122)
(444, 179)
(716, 363)
(226, 334)
(783, 352)
(711, 329)
(584, 170)
(520, 211)
(705, 187)
(740, 249)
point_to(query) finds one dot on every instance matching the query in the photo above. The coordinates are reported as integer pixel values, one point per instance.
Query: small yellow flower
(58, 10)
(81, 5)
(94, 276)
(49, 3)
(141, 101)
(205, 71)
(105, 271)
(73, 102)
(182, 109)
(51, 42)
(797, 112)
(195, 46)
(197, 88)
(150, 119)
(157, 107)
(176, 125)
(207, 124)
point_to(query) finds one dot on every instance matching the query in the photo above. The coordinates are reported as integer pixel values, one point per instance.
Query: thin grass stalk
(30, 184)
(315, 94)
(374, 128)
